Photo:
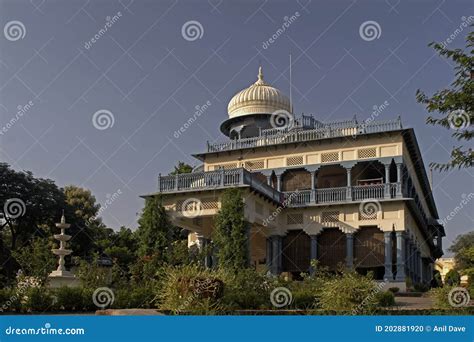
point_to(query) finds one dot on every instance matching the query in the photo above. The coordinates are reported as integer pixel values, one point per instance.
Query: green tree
(230, 232)
(462, 243)
(154, 229)
(452, 278)
(455, 105)
(182, 167)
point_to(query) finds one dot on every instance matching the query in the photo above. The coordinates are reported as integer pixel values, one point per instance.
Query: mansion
(343, 193)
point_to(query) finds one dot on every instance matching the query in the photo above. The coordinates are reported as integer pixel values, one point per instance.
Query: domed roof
(259, 98)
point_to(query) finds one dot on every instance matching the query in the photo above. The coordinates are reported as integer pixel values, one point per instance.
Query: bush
(9, 300)
(178, 293)
(421, 287)
(137, 297)
(69, 299)
(439, 296)
(349, 291)
(386, 298)
(245, 289)
(452, 278)
(37, 299)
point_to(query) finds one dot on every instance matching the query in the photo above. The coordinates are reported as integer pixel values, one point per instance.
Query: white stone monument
(61, 276)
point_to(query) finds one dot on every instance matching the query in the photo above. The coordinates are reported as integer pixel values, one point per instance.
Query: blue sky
(150, 79)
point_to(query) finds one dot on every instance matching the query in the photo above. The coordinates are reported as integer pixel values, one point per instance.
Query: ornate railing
(300, 133)
(241, 177)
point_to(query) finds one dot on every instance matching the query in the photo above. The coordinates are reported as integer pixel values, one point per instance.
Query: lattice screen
(296, 218)
(295, 160)
(367, 153)
(370, 215)
(330, 216)
(254, 164)
(329, 157)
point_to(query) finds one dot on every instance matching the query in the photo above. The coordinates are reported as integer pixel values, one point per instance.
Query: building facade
(343, 193)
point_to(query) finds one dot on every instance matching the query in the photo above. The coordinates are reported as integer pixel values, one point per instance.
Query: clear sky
(150, 78)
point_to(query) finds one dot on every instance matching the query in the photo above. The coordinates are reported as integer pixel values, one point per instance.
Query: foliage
(348, 291)
(394, 289)
(69, 298)
(182, 167)
(135, 297)
(458, 98)
(154, 229)
(386, 298)
(463, 249)
(452, 278)
(230, 232)
(245, 289)
(440, 297)
(37, 299)
(36, 259)
(92, 275)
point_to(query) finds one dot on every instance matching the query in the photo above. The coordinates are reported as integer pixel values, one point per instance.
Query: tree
(154, 229)
(460, 244)
(456, 105)
(230, 232)
(452, 278)
(182, 167)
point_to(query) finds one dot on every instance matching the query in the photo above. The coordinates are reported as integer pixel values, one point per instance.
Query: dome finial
(260, 73)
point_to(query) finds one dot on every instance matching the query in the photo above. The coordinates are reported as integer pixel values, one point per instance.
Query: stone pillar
(350, 250)
(278, 182)
(349, 184)
(313, 186)
(268, 254)
(313, 251)
(269, 180)
(388, 276)
(275, 254)
(387, 180)
(399, 180)
(400, 256)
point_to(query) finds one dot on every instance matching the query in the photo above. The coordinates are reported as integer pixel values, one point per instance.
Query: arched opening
(296, 179)
(368, 173)
(296, 253)
(331, 176)
(331, 248)
(369, 251)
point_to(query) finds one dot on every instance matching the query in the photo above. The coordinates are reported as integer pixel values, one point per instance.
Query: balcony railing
(302, 131)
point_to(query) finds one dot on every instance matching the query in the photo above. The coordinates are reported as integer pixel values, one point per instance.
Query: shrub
(386, 298)
(137, 297)
(452, 278)
(68, 298)
(419, 287)
(37, 299)
(439, 296)
(178, 293)
(349, 291)
(9, 300)
(245, 289)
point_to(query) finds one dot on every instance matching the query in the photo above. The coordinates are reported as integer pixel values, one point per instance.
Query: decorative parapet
(307, 129)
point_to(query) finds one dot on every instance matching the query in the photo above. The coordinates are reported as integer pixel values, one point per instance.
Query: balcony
(222, 179)
(306, 129)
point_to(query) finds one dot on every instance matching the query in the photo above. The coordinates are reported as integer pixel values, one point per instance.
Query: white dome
(259, 98)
